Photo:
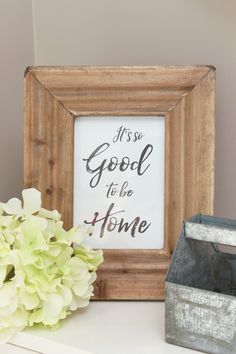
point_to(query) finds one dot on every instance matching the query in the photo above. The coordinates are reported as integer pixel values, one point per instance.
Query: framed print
(128, 150)
(119, 170)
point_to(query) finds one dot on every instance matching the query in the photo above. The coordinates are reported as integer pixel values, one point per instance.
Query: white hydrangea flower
(45, 271)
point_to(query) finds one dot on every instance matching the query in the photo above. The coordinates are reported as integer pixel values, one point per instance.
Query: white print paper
(119, 180)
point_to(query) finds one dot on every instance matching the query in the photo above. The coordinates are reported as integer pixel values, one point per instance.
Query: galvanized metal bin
(200, 308)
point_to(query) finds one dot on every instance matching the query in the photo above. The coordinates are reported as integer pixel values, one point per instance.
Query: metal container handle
(211, 229)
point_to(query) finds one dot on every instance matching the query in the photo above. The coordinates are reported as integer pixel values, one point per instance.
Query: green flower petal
(1, 209)
(60, 233)
(7, 332)
(3, 272)
(42, 222)
(30, 288)
(36, 317)
(53, 322)
(32, 200)
(93, 258)
(4, 250)
(81, 287)
(30, 301)
(66, 295)
(75, 235)
(6, 220)
(53, 306)
(7, 291)
(19, 279)
(93, 277)
(54, 250)
(11, 259)
(78, 302)
(8, 310)
(27, 256)
(9, 238)
(32, 236)
(13, 207)
(64, 256)
(54, 215)
(20, 317)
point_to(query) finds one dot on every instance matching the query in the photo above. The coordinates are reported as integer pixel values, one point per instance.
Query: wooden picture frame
(184, 95)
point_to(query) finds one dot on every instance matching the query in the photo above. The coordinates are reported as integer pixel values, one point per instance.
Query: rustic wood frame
(54, 96)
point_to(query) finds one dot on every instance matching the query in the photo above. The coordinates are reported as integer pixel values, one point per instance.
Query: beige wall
(116, 32)
(16, 52)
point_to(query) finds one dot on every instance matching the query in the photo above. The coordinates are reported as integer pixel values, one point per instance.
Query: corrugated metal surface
(200, 287)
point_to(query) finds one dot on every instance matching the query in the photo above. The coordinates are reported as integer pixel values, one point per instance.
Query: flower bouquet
(45, 271)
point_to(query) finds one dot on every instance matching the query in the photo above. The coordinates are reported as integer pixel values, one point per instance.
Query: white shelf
(110, 328)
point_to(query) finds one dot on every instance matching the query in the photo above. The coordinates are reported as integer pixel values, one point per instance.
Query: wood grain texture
(119, 90)
(48, 148)
(54, 96)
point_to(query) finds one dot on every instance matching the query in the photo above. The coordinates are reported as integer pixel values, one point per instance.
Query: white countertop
(111, 328)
